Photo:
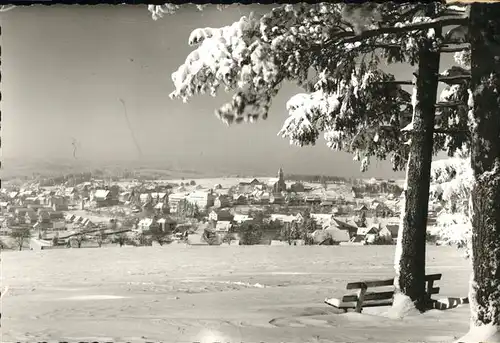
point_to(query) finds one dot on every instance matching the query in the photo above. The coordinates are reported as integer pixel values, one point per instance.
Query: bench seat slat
(339, 304)
(369, 296)
(378, 303)
(351, 305)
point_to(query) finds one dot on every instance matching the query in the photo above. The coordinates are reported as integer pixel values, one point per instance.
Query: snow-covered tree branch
(452, 181)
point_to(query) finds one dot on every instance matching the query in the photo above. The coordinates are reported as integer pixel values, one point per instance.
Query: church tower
(280, 185)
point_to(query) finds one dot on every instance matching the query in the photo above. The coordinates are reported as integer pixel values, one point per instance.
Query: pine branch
(451, 132)
(453, 12)
(396, 82)
(352, 37)
(453, 80)
(447, 49)
(447, 104)
(443, 49)
(445, 79)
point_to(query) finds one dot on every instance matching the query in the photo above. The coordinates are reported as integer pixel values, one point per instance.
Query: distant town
(83, 211)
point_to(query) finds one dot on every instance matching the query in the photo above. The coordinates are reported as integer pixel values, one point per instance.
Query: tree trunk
(410, 252)
(484, 294)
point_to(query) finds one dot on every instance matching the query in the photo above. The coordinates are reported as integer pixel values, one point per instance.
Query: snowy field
(208, 294)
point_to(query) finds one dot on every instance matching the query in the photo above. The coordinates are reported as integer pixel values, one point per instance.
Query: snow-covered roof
(338, 235)
(223, 226)
(146, 222)
(283, 218)
(177, 196)
(101, 193)
(239, 218)
(199, 194)
(165, 220)
(31, 214)
(321, 217)
(342, 225)
(392, 228)
(365, 230)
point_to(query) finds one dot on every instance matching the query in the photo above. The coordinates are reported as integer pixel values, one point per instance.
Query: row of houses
(375, 209)
(329, 226)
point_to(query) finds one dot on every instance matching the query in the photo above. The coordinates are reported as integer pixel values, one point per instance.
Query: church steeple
(280, 185)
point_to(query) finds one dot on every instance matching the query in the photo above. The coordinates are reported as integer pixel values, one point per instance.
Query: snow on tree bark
(410, 258)
(484, 28)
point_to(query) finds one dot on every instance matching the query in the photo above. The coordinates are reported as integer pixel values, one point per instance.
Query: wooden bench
(363, 298)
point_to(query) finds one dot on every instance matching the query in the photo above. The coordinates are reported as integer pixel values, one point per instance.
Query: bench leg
(361, 298)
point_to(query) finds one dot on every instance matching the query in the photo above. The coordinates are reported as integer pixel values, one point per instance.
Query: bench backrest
(389, 282)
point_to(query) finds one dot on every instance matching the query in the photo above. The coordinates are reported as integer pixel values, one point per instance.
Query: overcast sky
(64, 69)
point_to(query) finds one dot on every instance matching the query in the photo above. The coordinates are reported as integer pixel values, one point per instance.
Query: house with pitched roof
(30, 217)
(389, 231)
(241, 218)
(223, 226)
(220, 215)
(146, 224)
(167, 224)
(102, 197)
(221, 201)
(202, 199)
(239, 199)
(370, 233)
(174, 199)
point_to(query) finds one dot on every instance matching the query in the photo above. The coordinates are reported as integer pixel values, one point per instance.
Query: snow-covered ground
(227, 294)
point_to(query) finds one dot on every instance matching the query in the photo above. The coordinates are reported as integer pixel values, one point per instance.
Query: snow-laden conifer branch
(253, 56)
(443, 104)
(362, 116)
(399, 28)
(452, 181)
(450, 80)
(452, 123)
